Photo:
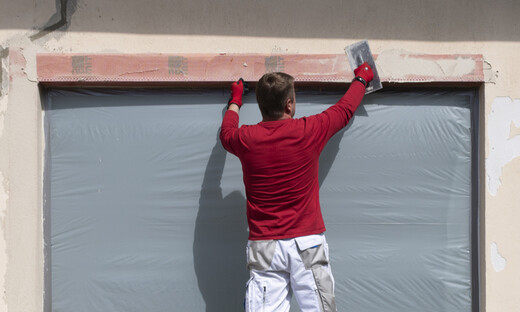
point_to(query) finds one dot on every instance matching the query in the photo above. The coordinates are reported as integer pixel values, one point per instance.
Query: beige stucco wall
(305, 27)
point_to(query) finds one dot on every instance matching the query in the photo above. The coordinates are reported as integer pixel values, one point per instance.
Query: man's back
(280, 167)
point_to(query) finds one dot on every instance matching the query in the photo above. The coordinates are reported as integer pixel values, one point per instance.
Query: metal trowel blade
(357, 54)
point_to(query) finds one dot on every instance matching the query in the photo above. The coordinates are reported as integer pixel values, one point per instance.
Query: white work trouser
(282, 268)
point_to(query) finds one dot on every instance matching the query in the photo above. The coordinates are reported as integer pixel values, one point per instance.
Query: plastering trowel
(357, 54)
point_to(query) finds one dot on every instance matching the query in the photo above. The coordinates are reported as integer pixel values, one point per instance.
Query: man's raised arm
(229, 129)
(340, 114)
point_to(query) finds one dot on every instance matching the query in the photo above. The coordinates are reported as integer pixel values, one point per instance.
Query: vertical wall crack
(4, 52)
(4, 87)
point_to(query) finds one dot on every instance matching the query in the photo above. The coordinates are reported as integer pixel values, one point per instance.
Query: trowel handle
(365, 72)
(246, 87)
(359, 60)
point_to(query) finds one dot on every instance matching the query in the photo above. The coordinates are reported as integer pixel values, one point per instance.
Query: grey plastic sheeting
(145, 211)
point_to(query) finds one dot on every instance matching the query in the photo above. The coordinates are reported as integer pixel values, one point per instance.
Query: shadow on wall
(220, 240)
(442, 20)
(221, 232)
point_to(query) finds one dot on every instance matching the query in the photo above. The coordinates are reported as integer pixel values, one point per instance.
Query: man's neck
(285, 116)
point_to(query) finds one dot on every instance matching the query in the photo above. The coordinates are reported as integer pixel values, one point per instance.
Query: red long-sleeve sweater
(280, 167)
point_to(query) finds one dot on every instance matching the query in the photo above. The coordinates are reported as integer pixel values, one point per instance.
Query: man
(287, 252)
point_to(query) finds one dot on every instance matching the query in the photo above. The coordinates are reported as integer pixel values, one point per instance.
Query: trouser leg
(268, 288)
(311, 279)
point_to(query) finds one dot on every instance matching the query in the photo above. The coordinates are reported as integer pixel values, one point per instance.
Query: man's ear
(289, 106)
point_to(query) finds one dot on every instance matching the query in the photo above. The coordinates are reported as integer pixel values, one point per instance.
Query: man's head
(275, 95)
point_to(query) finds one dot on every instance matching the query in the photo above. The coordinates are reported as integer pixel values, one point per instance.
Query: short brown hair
(272, 92)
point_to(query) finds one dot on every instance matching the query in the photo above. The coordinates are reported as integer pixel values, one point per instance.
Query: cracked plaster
(505, 113)
(497, 260)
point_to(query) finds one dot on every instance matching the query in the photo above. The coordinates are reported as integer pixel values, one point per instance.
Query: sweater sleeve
(337, 116)
(229, 131)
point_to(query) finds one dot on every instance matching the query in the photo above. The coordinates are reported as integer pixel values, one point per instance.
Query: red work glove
(364, 71)
(237, 89)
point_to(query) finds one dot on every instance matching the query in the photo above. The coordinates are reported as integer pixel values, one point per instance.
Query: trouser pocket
(256, 296)
(325, 288)
(260, 254)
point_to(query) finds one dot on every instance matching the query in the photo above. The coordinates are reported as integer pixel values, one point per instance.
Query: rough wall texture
(395, 29)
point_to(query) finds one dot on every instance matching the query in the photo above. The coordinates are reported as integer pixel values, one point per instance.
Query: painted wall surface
(394, 29)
